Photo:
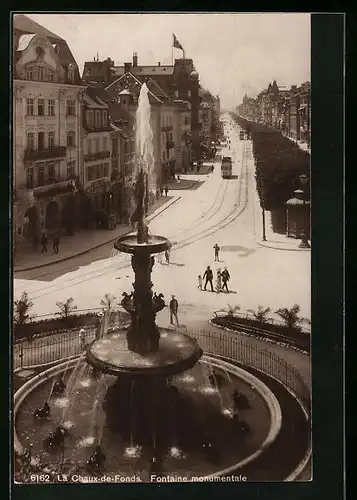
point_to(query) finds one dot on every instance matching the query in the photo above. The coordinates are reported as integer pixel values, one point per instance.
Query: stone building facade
(47, 96)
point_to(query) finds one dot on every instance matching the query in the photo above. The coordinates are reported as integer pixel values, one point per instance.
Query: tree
(291, 316)
(66, 308)
(108, 301)
(232, 310)
(22, 307)
(260, 314)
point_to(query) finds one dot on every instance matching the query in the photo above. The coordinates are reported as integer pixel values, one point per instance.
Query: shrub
(291, 316)
(232, 309)
(22, 307)
(108, 301)
(66, 309)
(261, 313)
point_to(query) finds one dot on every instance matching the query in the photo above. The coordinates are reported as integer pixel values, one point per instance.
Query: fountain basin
(177, 353)
(129, 244)
(264, 417)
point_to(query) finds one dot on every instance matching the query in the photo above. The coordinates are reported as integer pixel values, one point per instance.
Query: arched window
(105, 117)
(71, 136)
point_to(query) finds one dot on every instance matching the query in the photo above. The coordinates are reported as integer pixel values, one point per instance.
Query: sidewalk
(84, 241)
(273, 240)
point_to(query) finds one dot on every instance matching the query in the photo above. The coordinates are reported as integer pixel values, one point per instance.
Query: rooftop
(27, 25)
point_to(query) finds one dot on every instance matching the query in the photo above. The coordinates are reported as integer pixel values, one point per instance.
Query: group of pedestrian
(164, 190)
(222, 277)
(44, 243)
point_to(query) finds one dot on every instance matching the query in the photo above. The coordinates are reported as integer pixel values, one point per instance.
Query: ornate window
(105, 143)
(42, 73)
(29, 178)
(41, 107)
(96, 145)
(41, 176)
(51, 107)
(71, 169)
(41, 140)
(51, 75)
(105, 118)
(30, 141)
(71, 107)
(30, 107)
(70, 72)
(71, 139)
(51, 173)
(89, 146)
(51, 139)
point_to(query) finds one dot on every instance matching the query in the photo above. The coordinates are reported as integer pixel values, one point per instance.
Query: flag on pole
(177, 44)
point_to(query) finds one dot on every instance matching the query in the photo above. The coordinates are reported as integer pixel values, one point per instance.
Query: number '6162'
(40, 478)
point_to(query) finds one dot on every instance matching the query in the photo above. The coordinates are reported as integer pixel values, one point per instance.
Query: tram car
(226, 167)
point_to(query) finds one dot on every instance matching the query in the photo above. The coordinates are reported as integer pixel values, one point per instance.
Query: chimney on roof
(159, 63)
(135, 59)
(127, 67)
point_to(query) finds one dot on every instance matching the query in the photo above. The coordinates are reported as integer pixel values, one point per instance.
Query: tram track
(222, 223)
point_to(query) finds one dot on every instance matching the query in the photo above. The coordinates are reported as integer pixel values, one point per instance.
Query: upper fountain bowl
(129, 244)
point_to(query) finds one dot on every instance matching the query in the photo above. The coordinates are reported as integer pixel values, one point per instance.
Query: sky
(233, 53)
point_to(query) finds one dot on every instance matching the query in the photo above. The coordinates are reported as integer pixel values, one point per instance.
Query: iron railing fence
(239, 351)
(59, 347)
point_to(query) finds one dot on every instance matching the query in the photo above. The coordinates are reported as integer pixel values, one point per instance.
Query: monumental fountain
(144, 400)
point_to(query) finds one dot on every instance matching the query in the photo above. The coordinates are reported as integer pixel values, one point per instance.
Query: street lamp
(304, 179)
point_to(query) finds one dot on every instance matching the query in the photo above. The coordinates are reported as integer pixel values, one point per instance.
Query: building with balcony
(47, 95)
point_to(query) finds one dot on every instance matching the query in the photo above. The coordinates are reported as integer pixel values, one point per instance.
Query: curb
(275, 247)
(102, 244)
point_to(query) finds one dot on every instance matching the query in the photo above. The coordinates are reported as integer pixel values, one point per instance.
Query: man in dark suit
(208, 274)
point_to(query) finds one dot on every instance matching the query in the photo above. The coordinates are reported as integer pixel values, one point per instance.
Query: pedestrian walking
(161, 190)
(166, 190)
(200, 281)
(160, 258)
(218, 281)
(56, 244)
(173, 310)
(225, 278)
(44, 243)
(167, 256)
(212, 168)
(82, 339)
(208, 274)
(216, 252)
